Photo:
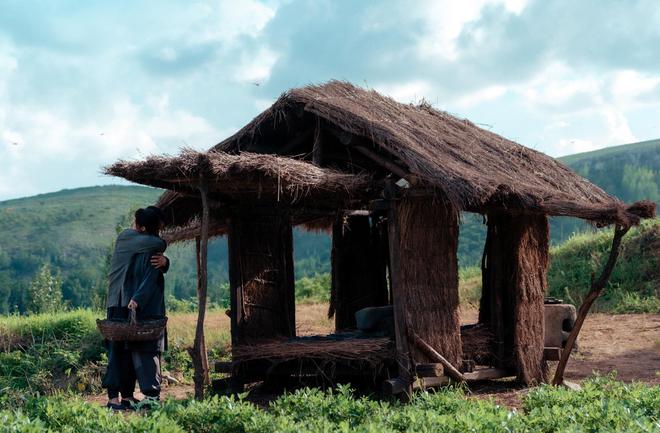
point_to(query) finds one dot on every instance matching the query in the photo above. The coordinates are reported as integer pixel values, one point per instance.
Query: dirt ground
(626, 343)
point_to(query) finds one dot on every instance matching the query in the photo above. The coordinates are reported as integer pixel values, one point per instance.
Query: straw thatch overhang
(247, 180)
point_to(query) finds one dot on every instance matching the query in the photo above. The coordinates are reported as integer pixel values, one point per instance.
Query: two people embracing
(136, 282)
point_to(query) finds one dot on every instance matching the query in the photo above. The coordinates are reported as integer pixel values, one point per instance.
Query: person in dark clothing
(136, 282)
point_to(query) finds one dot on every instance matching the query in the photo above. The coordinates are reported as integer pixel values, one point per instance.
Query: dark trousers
(125, 366)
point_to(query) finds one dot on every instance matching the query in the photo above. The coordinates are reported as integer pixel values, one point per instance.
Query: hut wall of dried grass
(428, 271)
(261, 278)
(358, 270)
(514, 272)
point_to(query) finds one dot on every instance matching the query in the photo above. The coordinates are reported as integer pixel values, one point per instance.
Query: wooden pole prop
(597, 287)
(198, 351)
(433, 354)
(404, 381)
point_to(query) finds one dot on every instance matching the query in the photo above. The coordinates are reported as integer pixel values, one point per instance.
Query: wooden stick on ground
(597, 287)
(433, 354)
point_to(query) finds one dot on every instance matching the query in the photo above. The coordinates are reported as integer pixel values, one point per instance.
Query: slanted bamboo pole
(597, 287)
(198, 351)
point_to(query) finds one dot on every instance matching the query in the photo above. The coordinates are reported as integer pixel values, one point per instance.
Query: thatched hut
(390, 181)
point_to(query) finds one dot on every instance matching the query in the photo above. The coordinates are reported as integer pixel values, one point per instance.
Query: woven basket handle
(133, 316)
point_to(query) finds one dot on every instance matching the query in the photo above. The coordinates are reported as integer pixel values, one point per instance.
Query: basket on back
(131, 330)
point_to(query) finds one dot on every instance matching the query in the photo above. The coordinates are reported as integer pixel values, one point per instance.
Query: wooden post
(514, 274)
(317, 147)
(597, 287)
(405, 378)
(198, 351)
(358, 270)
(261, 278)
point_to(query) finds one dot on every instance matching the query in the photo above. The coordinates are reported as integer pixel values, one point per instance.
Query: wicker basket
(131, 330)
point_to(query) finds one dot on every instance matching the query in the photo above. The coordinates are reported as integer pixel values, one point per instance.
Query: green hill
(631, 172)
(73, 231)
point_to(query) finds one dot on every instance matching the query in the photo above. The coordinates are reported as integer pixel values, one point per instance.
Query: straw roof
(357, 131)
(476, 169)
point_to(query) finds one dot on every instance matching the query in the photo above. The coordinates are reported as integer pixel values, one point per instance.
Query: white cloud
(255, 66)
(483, 95)
(412, 91)
(557, 85)
(444, 20)
(245, 17)
(627, 85)
(618, 129)
(568, 146)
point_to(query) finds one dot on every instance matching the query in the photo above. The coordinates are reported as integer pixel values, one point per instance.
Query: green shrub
(45, 292)
(604, 405)
(16, 422)
(313, 289)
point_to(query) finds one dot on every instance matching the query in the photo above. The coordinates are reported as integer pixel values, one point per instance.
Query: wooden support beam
(431, 382)
(429, 370)
(552, 353)
(396, 386)
(198, 351)
(363, 146)
(398, 303)
(317, 146)
(487, 374)
(433, 354)
(389, 165)
(597, 287)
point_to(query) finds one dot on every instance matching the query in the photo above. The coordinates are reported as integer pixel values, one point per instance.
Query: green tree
(45, 292)
(640, 183)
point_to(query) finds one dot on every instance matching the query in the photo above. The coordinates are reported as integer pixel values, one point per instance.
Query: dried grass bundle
(373, 350)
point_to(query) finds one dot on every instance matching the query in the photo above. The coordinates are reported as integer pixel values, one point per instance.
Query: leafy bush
(313, 289)
(603, 405)
(45, 292)
(44, 353)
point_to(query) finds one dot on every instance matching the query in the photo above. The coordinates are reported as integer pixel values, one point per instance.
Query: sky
(84, 83)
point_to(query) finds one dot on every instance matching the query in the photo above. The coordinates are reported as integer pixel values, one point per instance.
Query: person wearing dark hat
(136, 282)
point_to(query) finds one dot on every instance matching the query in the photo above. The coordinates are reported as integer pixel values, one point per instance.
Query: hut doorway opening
(359, 276)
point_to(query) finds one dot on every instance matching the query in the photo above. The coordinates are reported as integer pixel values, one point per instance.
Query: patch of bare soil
(627, 343)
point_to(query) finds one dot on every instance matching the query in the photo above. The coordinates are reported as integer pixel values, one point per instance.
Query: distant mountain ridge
(73, 230)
